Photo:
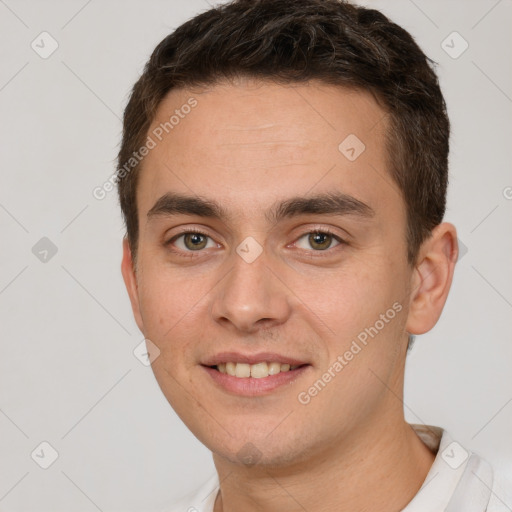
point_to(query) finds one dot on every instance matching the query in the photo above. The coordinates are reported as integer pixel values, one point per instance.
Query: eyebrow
(321, 204)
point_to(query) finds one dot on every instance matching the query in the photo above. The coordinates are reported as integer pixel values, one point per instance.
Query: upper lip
(238, 357)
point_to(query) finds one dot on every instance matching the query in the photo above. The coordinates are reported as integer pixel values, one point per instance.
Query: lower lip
(250, 386)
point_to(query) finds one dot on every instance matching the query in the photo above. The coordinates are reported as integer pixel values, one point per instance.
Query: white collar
(458, 480)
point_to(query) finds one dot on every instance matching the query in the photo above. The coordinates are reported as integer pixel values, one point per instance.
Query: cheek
(362, 307)
(342, 298)
(366, 320)
(165, 298)
(173, 309)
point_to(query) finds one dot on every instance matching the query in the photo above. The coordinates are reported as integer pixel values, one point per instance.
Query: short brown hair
(286, 41)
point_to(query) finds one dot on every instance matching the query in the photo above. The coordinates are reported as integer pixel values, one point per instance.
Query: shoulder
(200, 500)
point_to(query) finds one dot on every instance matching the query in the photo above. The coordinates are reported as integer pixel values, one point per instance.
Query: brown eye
(191, 241)
(318, 240)
(195, 241)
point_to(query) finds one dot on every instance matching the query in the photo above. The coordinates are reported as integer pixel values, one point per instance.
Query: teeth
(257, 371)
(274, 368)
(242, 370)
(230, 368)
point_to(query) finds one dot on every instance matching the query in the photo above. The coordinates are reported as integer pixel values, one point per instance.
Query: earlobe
(432, 278)
(130, 281)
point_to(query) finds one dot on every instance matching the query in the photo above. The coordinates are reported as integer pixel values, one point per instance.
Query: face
(272, 237)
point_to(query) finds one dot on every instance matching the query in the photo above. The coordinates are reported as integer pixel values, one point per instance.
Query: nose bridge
(251, 296)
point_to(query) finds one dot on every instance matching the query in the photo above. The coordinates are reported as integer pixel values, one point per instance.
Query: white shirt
(458, 481)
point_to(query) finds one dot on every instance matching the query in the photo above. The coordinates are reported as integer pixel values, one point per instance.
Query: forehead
(266, 141)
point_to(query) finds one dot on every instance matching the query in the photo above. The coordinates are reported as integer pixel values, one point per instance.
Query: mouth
(253, 375)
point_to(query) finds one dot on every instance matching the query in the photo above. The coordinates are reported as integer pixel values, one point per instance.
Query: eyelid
(184, 230)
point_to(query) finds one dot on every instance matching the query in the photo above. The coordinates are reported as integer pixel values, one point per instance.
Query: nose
(251, 297)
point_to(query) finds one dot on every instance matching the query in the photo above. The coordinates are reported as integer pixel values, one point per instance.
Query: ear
(432, 278)
(130, 281)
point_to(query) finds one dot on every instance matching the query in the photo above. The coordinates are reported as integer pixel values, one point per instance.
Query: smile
(256, 371)
(253, 375)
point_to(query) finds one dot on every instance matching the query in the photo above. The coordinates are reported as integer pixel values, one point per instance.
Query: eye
(192, 241)
(319, 240)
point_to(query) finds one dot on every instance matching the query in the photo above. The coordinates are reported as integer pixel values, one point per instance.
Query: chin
(253, 455)
(257, 449)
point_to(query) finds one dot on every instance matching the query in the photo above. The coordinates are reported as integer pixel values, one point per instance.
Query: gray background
(68, 375)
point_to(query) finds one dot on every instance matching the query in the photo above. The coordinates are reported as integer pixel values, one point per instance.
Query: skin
(248, 145)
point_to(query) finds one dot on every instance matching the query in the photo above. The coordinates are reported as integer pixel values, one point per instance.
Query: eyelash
(325, 252)
(313, 253)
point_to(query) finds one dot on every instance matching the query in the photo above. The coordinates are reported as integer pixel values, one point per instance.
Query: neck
(381, 467)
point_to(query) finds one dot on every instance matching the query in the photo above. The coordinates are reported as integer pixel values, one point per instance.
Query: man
(283, 177)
